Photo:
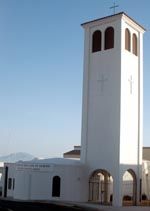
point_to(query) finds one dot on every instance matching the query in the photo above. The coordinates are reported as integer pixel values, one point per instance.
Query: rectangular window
(9, 183)
(13, 183)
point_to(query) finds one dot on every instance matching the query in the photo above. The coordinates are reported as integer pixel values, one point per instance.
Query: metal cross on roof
(114, 7)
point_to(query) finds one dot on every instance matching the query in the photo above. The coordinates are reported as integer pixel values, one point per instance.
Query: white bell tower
(113, 100)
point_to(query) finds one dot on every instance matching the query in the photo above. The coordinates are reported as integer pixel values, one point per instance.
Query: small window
(127, 40)
(109, 38)
(96, 41)
(13, 183)
(9, 183)
(134, 44)
(56, 186)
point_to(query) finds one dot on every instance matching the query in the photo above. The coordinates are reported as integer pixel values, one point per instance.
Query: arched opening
(101, 187)
(127, 40)
(109, 38)
(134, 44)
(129, 190)
(96, 41)
(56, 186)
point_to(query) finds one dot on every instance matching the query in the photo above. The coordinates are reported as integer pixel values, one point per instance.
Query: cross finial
(114, 7)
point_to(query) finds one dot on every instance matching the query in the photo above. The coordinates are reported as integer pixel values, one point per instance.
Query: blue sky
(41, 68)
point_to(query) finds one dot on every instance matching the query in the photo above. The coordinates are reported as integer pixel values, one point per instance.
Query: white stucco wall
(112, 118)
(101, 108)
(146, 179)
(129, 128)
(33, 181)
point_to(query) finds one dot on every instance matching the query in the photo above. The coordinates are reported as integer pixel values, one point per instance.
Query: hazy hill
(14, 157)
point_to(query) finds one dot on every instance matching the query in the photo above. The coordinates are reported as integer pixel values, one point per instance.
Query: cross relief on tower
(130, 80)
(101, 81)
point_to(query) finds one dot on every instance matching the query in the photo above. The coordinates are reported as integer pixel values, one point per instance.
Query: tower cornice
(114, 17)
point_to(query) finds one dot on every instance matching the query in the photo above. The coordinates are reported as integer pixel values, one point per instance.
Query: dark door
(5, 181)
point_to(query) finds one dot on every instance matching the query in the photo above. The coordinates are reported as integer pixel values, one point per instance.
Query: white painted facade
(111, 141)
(112, 114)
(146, 179)
(33, 180)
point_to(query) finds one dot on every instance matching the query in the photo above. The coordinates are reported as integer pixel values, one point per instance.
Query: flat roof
(56, 161)
(120, 13)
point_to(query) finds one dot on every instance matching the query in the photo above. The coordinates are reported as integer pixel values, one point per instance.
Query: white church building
(110, 168)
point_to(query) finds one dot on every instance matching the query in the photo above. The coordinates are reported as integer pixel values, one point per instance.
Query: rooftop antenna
(114, 7)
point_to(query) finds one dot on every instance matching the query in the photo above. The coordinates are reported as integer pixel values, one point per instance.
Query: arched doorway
(129, 190)
(101, 187)
(56, 186)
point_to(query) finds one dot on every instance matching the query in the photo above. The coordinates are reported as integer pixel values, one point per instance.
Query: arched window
(127, 40)
(134, 44)
(56, 186)
(109, 38)
(96, 41)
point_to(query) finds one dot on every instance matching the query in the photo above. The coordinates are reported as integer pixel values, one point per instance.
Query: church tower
(112, 104)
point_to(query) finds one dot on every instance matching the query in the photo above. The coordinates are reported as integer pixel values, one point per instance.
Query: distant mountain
(14, 157)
